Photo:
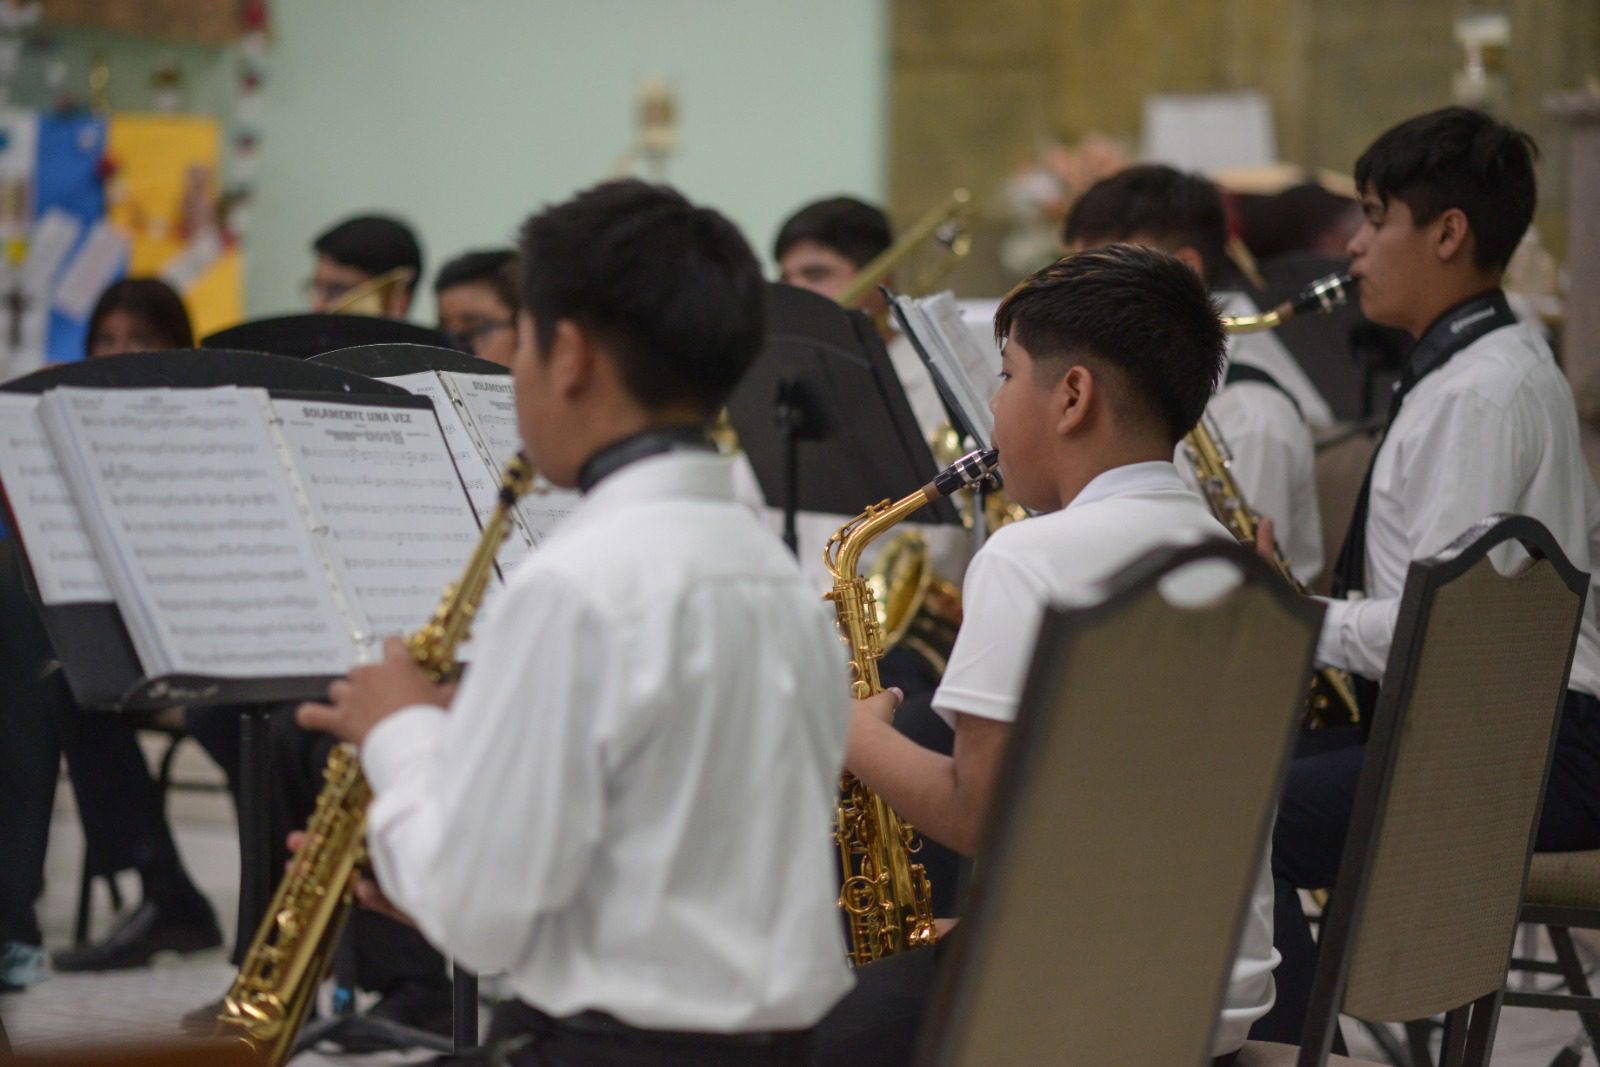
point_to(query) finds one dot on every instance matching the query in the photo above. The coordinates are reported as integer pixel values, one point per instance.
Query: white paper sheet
(477, 471)
(63, 561)
(104, 252)
(189, 506)
(490, 407)
(399, 525)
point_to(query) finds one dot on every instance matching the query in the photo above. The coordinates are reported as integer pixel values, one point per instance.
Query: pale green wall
(464, 115)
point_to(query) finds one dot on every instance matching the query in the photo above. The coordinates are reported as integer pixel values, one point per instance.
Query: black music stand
(823, 418)
(90, 640)
(389, 360)
(304, 336)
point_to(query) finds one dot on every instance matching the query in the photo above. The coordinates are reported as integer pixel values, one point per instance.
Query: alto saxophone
(888, 899)
(1331, 700)
(293, 946)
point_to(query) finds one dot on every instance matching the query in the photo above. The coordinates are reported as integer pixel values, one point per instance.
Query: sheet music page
(489, 407)
(968, 370)
(477, 470)
(381, 482)
(195, 518)
(64, 564)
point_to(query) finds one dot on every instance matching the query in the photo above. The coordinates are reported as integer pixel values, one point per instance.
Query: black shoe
(417, 1005)
(149, 930)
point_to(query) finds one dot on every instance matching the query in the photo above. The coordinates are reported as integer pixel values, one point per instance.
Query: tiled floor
(149, 1002)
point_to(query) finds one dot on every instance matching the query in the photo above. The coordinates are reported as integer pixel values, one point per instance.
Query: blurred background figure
(476, 296)
(358, 250)
(138, 315)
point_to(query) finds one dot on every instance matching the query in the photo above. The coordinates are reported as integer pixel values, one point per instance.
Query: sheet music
(967, 370)
(381, 481)
(195, 519)
(477, 473)
(488, 404)
(63, 561)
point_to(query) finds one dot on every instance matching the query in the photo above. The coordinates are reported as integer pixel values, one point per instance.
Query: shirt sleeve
(1467, 461)
(1356, 635)
(485, 818)
(1001, 605)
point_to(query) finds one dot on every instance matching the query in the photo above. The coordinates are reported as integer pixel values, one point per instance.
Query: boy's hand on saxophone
(371, 693)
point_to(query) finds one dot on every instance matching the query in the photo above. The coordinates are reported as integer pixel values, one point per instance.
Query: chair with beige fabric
(1422, 919)
(1130, 820)
(1563, 894)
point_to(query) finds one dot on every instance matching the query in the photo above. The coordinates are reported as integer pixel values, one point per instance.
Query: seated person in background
(1108, 358)
(1484, 422)
(358, 250)
(822, 247)
(138, 315)
(1264, 402)
(476, 296)
(124, 819)
(655, 698)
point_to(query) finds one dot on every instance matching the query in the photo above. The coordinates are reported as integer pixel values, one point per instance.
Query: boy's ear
(570, 358)
(1452, 234)
(1072, 397)
(1190, 257)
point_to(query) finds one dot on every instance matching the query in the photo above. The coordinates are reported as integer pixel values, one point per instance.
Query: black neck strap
(642, 445)
(1457, 328)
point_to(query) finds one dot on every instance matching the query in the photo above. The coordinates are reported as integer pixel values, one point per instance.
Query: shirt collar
(1155, 475)
(664, 476)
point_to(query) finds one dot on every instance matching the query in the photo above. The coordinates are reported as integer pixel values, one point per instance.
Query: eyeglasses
(467, 339)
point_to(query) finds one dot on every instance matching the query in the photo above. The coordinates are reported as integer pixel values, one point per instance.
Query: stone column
(1580, 337)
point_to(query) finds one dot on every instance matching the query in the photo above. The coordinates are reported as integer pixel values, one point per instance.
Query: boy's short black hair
(1457, 157)
(1156, 201)
(494, 267)
(853, 228)
(373, 244)
(1137, 310)
(673, 289)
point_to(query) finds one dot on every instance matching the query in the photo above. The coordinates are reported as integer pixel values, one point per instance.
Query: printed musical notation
(190, 506)
(63, 561)
(477, 471)
(381, 481)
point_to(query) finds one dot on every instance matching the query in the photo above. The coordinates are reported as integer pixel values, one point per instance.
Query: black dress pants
(377, 953)
(124, 819)
(31, 707)
(1314, 816)
(523, 1036)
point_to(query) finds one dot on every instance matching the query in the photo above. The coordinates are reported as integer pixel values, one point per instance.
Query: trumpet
(371, 297)
(948, 226)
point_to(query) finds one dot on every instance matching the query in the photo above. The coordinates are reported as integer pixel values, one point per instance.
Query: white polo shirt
(1062, 559)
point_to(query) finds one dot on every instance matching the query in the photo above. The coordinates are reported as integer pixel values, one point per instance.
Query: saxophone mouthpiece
(969, 470)
(1323, 295)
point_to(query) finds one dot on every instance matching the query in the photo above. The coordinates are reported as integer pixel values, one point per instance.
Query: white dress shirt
(1493, 429)
(1274, 458)
(1263, 349)
(627, 807)
(1062, 559)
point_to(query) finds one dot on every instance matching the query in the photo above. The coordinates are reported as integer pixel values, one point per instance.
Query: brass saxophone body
(293, 947)
(887, 898)
(1330, 701)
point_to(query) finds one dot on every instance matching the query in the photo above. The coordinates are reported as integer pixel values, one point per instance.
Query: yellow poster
(162, 192)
